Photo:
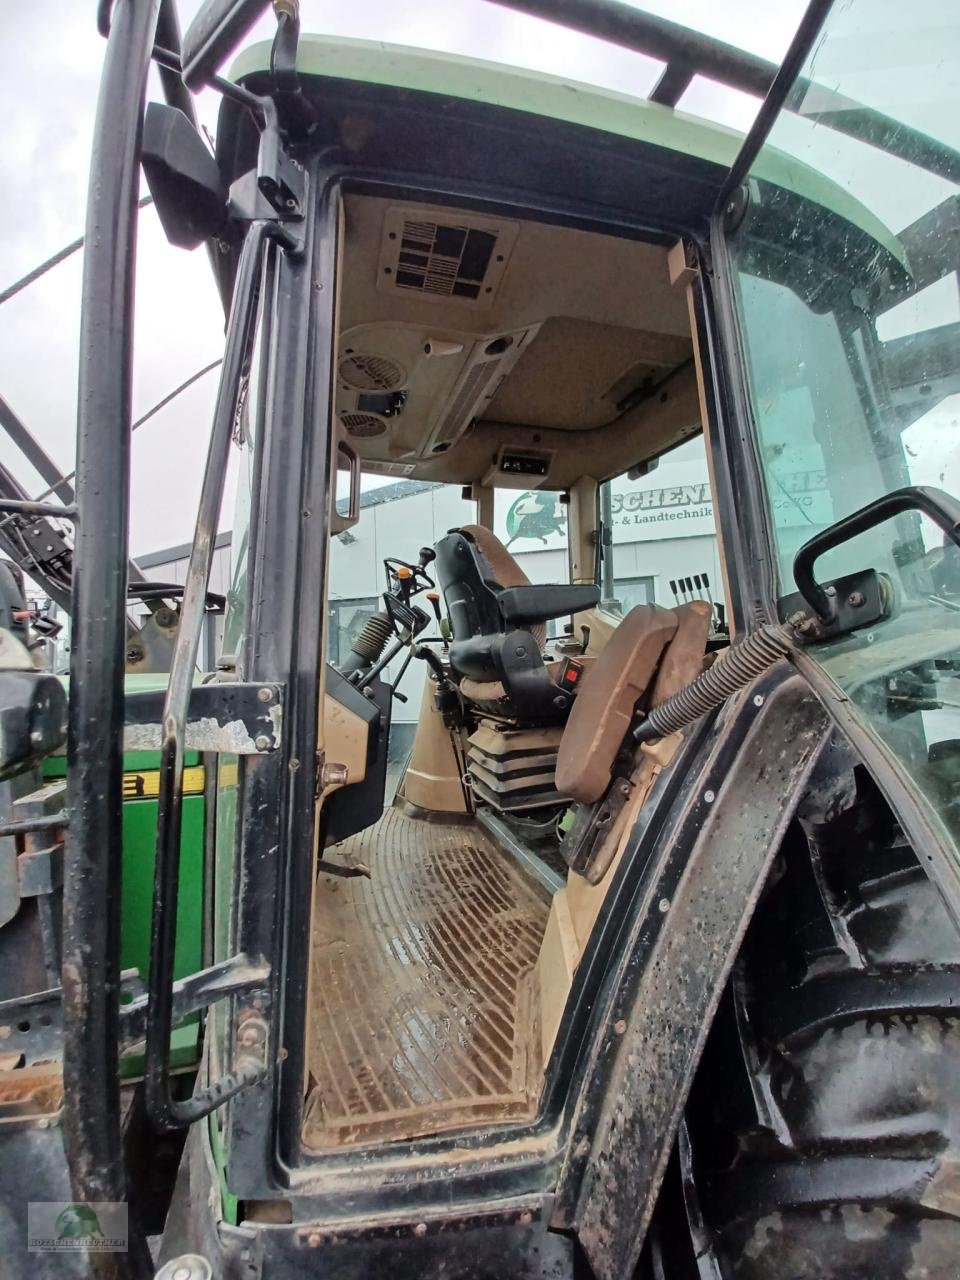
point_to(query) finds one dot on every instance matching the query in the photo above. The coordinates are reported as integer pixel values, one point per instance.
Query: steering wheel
(410, 578)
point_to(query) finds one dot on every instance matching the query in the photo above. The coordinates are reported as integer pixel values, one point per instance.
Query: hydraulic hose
(739, 665)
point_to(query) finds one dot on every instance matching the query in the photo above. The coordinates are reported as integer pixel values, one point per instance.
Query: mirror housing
(182, 176)
(213, 35)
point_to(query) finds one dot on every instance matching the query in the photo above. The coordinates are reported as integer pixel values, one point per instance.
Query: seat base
(513, 770)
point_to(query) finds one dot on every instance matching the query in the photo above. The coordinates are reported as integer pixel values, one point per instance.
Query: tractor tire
(821, 1138)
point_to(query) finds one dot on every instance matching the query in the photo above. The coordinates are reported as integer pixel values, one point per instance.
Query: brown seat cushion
(505, 569)
(604, 707)
(483, 690)
(495, 690)
(683, 660)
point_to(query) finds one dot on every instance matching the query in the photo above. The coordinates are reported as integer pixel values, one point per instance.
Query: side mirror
(33, 709)
(182, 176)
(213, 35)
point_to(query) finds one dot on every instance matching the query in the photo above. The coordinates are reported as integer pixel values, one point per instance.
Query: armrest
(528, 605)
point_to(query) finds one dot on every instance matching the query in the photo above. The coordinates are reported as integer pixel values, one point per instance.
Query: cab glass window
(659, 536)
(845, 275)
(532, 525)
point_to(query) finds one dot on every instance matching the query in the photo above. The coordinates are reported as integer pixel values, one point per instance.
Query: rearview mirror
(213, 35)
(182, 176)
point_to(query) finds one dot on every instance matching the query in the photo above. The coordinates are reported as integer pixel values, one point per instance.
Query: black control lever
(434, 599)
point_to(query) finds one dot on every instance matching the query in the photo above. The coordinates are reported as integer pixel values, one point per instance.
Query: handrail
(783, 83)
(942, 508)
(93, 865)
(165, 1111)
(687, 52)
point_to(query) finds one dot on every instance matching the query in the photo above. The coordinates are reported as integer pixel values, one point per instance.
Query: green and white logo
(58, 1226)
(78, 1222)
(537, 515)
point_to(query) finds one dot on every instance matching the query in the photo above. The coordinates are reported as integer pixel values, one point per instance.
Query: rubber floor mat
(424, 1012)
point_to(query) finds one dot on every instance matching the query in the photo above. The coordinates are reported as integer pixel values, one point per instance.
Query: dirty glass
(848, 309)
(660, 535)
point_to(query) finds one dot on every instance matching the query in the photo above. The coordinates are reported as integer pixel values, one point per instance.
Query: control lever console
(405, 580)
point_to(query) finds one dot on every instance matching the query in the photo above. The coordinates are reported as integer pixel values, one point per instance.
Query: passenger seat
(652, 653)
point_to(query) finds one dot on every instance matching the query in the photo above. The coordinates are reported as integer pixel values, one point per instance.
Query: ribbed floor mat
(423, 1009)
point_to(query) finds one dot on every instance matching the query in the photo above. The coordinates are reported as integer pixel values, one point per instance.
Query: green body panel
(139, 841)
(139, 853)
(557, 98)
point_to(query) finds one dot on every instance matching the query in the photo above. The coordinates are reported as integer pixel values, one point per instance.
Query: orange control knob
(403, 572)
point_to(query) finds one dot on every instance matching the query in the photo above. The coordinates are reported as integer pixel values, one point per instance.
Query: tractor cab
(552, 851)
(500, 384)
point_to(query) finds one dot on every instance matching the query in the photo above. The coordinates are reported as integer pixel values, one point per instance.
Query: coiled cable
(738, 666)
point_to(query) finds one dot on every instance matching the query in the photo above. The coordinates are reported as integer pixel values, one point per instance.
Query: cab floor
(424, 1012)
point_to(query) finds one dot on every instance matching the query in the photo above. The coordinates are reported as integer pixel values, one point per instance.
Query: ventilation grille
(372, 373)
(445, 256)
(363, 424)
(451, 261)
(454, 420)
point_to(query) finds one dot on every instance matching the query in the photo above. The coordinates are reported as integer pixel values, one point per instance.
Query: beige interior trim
(586, 900)
(432, 779)
(346, 741)
(570, 323)
(581, 528)
(683, 274)
(575, 908)
(602, 625)
(485, 498)
(651, 428)
(556, 964)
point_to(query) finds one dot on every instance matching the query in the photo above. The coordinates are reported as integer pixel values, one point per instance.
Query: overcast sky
(49, 67)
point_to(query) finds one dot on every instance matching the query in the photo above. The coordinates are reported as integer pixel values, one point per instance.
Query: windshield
(853, 360)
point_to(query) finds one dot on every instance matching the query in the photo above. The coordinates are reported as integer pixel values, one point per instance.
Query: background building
(662, 528)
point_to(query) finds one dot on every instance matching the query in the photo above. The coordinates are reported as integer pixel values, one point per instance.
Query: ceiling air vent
(489, 363)
(363, 424)
(471, 389)
(445, 256)
(372, 373)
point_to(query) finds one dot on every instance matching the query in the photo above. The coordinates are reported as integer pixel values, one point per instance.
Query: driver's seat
(497, 619)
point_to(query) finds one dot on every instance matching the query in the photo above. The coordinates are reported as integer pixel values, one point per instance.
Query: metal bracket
(859, 600)
(275, 191)
(40, 866)
(33, 1025)
(40, 870)
(46, 545)
(933, 503)
(236, 976)
(228, 716)
(736, 207)
(280, 179)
